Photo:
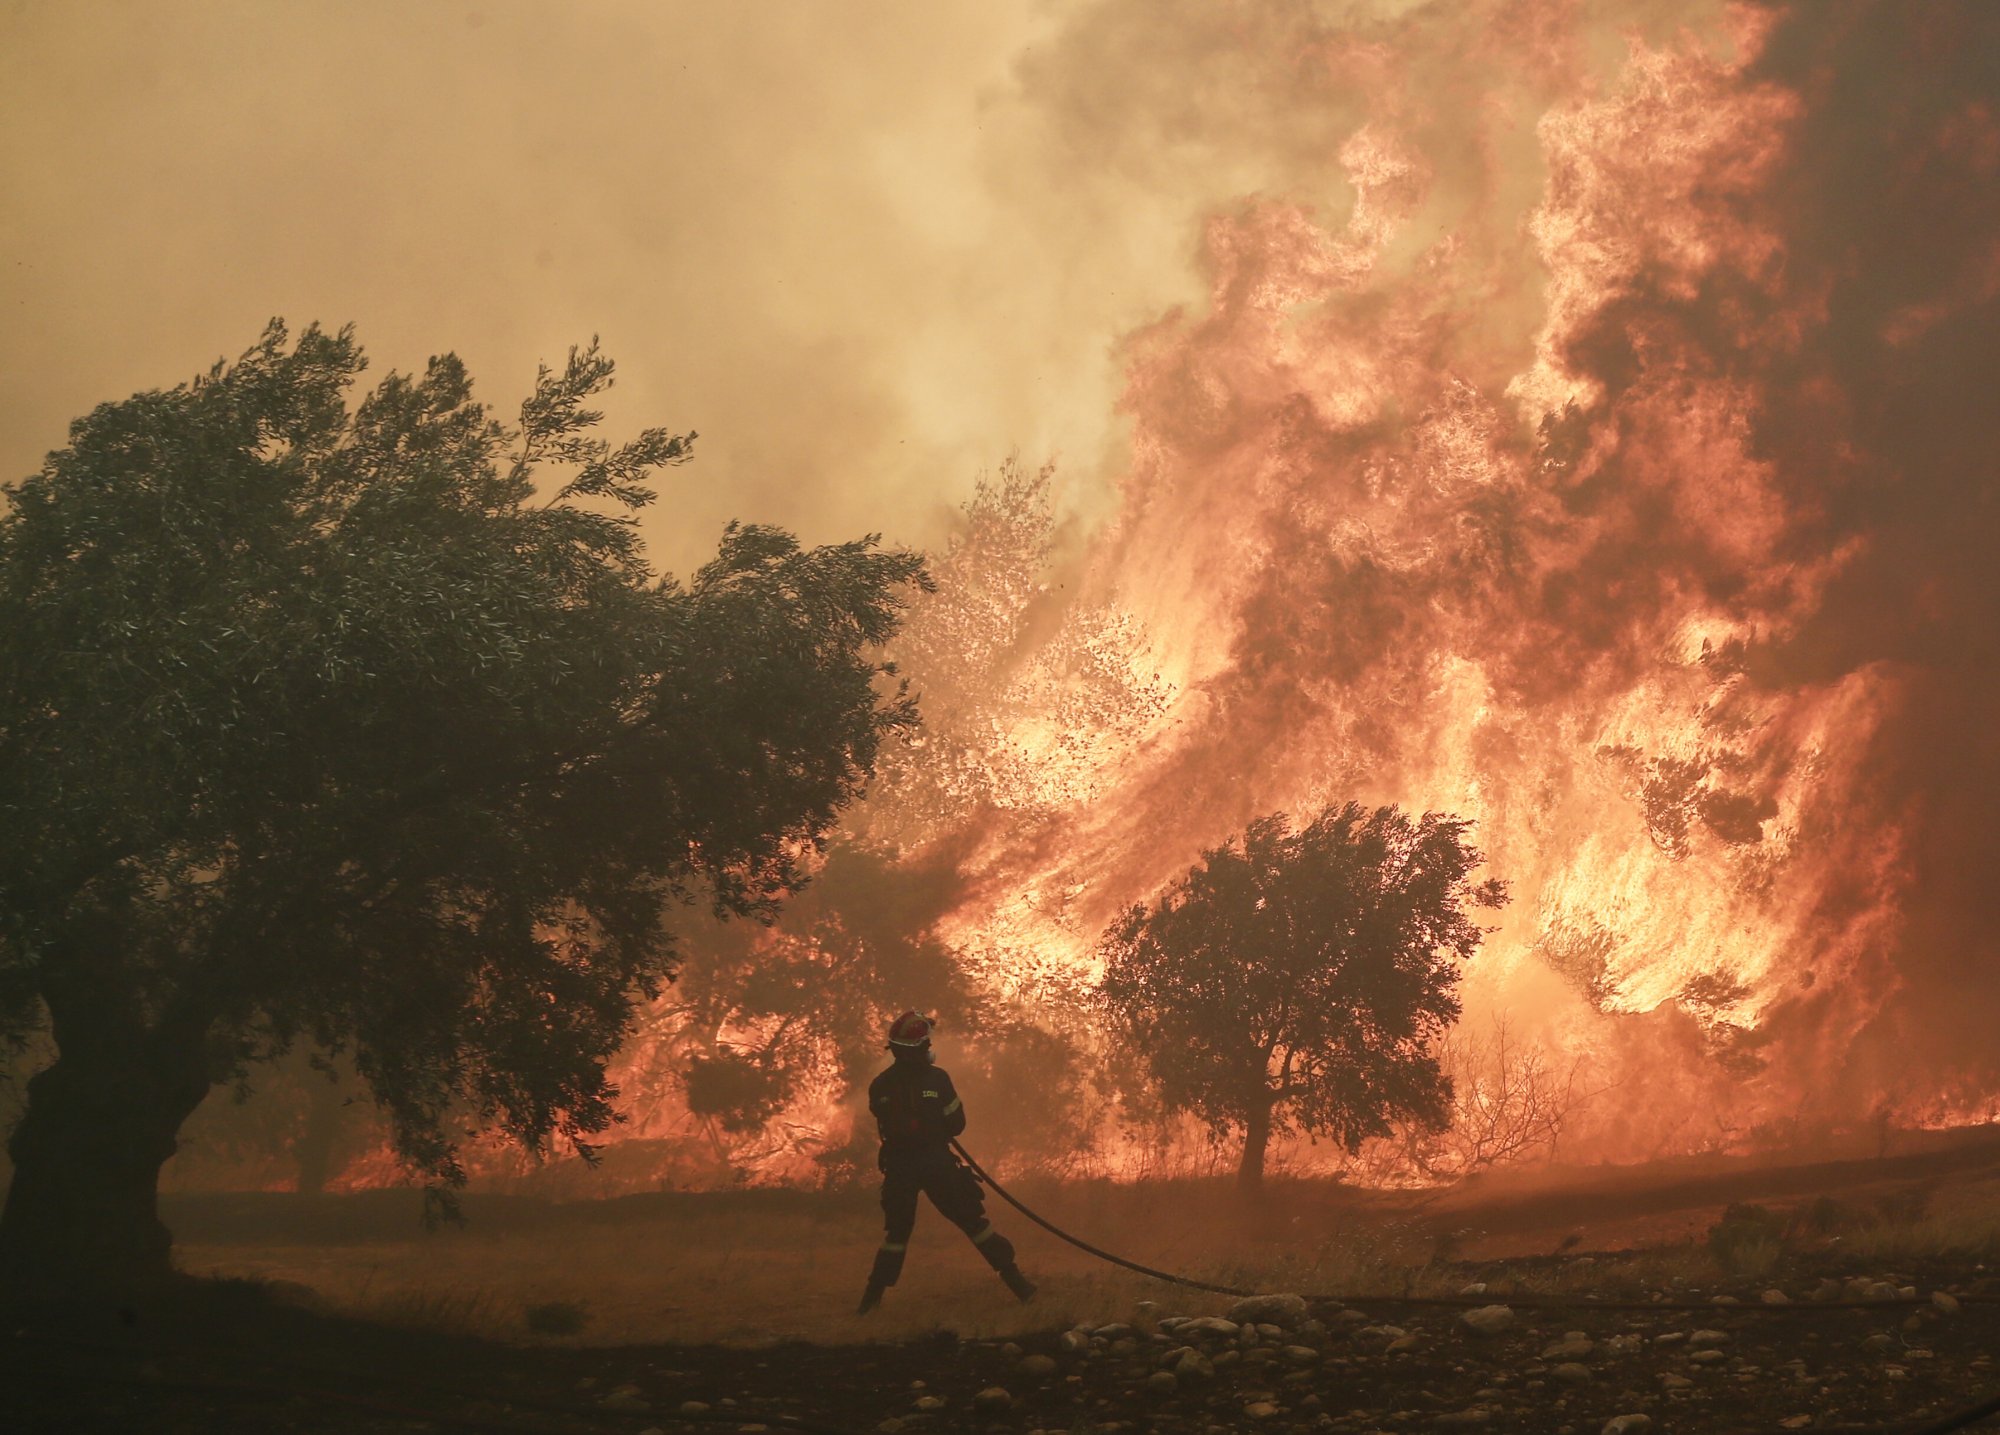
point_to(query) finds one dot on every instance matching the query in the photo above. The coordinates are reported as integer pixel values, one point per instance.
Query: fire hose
(1956, 1420)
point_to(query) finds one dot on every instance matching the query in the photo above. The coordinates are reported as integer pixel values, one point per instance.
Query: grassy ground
(757, 1268)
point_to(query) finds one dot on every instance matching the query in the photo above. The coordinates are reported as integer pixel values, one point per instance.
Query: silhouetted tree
(1297, 980)
(313, 723)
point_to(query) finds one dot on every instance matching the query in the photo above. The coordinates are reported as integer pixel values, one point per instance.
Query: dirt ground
(676, 1313)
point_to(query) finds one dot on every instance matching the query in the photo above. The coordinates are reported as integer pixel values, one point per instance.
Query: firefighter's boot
(888, 1266)
(1023, 1288)
(870, 1298)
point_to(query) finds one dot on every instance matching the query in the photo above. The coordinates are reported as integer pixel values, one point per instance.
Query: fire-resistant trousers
(953, 1190)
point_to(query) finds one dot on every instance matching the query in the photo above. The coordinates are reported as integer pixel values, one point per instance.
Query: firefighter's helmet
(911, 1031)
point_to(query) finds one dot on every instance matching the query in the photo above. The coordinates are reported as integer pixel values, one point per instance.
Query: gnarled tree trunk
(82, 1213)
(1256, 1141)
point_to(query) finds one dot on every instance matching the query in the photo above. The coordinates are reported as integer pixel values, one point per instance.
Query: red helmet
(911, 1029)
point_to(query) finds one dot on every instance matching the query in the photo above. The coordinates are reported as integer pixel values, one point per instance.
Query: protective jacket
(917, 1110)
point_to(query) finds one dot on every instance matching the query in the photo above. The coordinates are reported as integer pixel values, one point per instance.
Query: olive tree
(367, 723)
(1298, 980)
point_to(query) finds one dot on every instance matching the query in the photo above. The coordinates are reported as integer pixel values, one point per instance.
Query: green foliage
(315, 722)
(1300, 978)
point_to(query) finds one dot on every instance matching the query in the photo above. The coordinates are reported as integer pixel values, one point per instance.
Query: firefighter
(919, 1113)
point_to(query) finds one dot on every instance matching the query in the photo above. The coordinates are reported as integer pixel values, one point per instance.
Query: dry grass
(728, 1274)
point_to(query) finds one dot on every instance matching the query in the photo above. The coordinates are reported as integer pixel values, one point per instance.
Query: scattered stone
(993, 1397)
(1573, 1346)
(1038, 1366)
(1489, 1319)
(626, 1397)
(1724, 1300)
(1571, 1373)
(1671, 1337)
(1708, 1339)
(889, 1426)
(1300, 1354)
(1011, 1350)
(1194, 1366)
(1161, 1383)
(1775, 1297)
(1402, 1343)
(1676, 1382)
(1285, 1310)
(1706, 1357)
(1074, 1342)
(1795, 1422)
(1260, 1410)
(1631, 1424)
(1112, 1332)
(1468, 1419)
(1210, 1325)
(693, 1407)
(1881, 1343)
(1945, 1301)
(929, 1402)
(1476, 1288)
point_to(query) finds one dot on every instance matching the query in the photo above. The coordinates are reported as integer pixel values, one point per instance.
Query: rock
(1670, 1337)
(1402, 1343)
(1882, 1290)
(1675, 1382)
(1945, 1301)
(1281, 1310)
(1708, 1339)
(1123, 1348)
(1570, 1373)
(1074, 1342)
(1038, 1366)
(1011, 1350)
(1300, 1354)
(1881, 1344)
(626, 1397)
(1476, 1288)
(1706, 1357)
(1906, 1292)
(1112, 1332)
(1489, 1319)
(1775, 1297)
(929, 1402)
(693, 1407)
(1161, 1383)
(1194, 1366)
(1380, 1332)
(1209, 1325)
(1628, 1424)
(889, 1426)
(1795, 1422)
(1260, 1410)
(1470, 1419)
(1573, 1346)
(993, 1397)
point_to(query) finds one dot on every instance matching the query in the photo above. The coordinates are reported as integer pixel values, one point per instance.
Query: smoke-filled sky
(1572, 413)
(865, 249)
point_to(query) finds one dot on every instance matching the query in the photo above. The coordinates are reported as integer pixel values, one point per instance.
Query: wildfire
(1525, 471)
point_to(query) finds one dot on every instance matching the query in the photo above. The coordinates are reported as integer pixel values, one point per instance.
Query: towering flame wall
(1650, 521)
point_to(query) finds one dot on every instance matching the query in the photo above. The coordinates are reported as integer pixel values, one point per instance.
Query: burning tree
(313, 725)
(1298, 980)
